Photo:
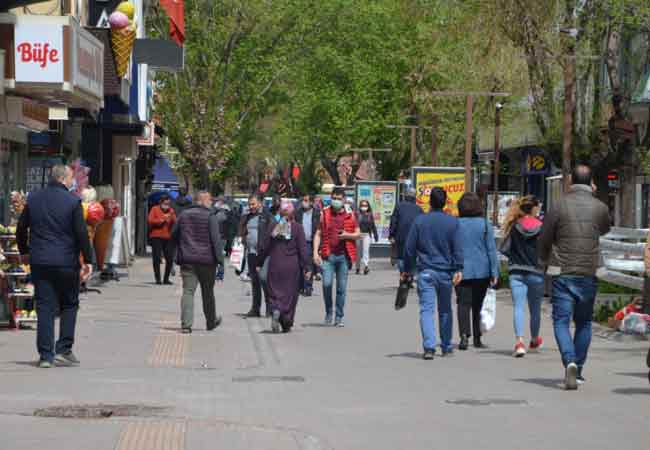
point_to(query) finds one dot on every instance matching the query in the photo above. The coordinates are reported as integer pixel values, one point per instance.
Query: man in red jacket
(335, 250)
(161, 220)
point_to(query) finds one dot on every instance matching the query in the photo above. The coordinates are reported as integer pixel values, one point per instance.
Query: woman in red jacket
(161, 220)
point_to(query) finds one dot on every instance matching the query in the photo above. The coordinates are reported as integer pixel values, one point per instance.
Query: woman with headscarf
(288, 262)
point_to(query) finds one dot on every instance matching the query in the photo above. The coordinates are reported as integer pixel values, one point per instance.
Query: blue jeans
(55, 289)
(573, 299)
(434, 288)
(527, 288)
(335, 264)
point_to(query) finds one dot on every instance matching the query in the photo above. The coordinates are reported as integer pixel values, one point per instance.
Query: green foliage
(603, 311)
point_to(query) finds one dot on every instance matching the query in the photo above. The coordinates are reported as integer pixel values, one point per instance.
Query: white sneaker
(520, 350)
(570, 377)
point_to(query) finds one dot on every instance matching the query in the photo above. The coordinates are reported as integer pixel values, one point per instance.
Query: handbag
(402, 293)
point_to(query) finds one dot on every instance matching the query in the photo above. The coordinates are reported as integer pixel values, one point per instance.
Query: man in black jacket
(309, 218)
(52, 230)
(400, 225)
(200, 250)
(253, 230)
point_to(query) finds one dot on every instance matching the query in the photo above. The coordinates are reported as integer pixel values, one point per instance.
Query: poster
(382, 196)
(451, 179)
(505, 199)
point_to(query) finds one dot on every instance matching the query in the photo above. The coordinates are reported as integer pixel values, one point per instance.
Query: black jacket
(520, 246)
(52, 229)
(266, 222)
(198, 237)
(315, 221)
(401, 222)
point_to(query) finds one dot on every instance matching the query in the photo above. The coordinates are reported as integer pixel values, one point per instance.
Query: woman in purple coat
(288, 259)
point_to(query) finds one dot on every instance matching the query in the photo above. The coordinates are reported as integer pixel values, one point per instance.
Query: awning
(163, 175)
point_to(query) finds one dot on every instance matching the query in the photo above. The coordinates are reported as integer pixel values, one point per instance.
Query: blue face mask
(277, 217)
(337, 204)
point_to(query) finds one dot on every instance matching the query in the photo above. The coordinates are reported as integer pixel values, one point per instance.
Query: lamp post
(497, 162)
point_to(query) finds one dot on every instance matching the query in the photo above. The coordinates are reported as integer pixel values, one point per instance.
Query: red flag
(175, 9)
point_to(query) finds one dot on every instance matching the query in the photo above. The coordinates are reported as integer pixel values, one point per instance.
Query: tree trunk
(569, 74)
(627, 179)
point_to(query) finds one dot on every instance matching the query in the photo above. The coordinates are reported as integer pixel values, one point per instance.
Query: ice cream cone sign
(123, 33)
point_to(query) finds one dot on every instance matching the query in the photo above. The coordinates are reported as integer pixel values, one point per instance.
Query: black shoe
(478, 343)
(463, 343)
(253, 313)
(186, 331)
(366, 271)
(158, 282)
(168, 283)
(448, 353)
(428, 355)
(216, 323)
(268, 313)
(358, 271)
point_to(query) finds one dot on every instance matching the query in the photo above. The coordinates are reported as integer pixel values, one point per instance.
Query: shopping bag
(489, 310)
(402, 294)
(237, 255)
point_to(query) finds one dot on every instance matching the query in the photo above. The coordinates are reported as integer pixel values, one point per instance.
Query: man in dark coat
(400, 224)
(309, 218)
(200, 250)
(52, 230)
(253, 229)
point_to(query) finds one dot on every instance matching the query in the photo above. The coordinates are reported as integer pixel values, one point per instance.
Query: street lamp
(497, 162)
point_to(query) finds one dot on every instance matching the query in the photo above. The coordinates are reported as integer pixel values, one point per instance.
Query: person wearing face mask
(161, 221)
(335, 251)
(253, 229)
(368, 231)
(52, 230)
(309, 217)
(288, 266)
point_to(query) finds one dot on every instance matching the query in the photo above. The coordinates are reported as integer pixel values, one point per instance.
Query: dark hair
(581, 174)
(438, 198)
(528, 203)
(255, 197)
(338, 191)
(470, 205)
(367, 203)
(164, 198)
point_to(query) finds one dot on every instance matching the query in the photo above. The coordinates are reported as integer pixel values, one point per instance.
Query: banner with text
(451, 179)
(382, 196)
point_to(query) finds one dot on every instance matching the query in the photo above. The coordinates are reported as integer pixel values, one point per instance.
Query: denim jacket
(479, 249)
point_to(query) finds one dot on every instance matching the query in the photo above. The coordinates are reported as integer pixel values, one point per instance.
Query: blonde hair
(519, 208)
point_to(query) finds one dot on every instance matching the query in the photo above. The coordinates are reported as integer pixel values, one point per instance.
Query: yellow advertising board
(451, 179)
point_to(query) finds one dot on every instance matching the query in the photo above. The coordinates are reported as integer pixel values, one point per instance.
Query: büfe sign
(451, 179)
(38, 53)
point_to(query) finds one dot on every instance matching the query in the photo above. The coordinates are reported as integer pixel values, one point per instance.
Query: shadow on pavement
(632, 391)
(412, 355)
(26, 363)
(643, 375)
(507, 353)
(175, 329)
(551, 383)
(316, 325)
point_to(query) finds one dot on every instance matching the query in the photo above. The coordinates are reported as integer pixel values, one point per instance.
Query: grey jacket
(574, 227)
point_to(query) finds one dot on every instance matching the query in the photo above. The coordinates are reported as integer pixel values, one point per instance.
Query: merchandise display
(17, 291)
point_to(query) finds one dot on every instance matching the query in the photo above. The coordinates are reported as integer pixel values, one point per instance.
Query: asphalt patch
(100, 411)
(487, 402)
(268, 379)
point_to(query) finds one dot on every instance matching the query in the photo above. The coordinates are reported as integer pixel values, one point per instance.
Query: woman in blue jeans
(521, 230)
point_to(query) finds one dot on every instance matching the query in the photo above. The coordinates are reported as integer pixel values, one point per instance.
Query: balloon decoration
(111, 208)
(95, 213)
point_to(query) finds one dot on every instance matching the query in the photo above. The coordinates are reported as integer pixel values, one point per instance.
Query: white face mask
(364, 208)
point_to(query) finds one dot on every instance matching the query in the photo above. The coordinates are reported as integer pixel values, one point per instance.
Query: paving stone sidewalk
(318, 388)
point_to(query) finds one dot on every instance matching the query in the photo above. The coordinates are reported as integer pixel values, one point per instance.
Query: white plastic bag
(237, 255)
(489, 311)
(635, 323)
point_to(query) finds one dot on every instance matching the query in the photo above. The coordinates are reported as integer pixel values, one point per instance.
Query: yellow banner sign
(452, 181)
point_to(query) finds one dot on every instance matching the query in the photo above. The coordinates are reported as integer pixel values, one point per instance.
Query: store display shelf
(7, 237)
(16, 275)
(25, 321)
(11, 253)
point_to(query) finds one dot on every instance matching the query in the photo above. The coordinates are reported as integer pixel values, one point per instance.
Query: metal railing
(622, 257)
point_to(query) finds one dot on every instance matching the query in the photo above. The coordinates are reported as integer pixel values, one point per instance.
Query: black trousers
(159, 248)
(57, 290)
(256, 284)
(470, 295)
